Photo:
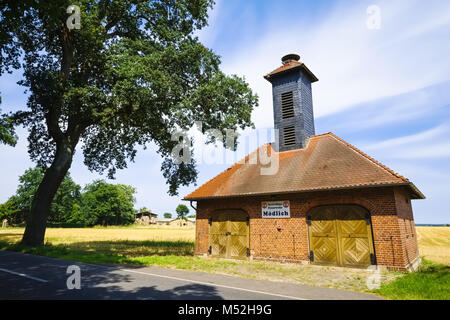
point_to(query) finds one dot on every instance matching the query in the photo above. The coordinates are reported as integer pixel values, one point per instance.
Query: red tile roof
(290, 66)
(326, 163)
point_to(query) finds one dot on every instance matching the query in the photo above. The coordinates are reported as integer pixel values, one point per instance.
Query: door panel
(355, 252)
(237, 247)
(325, 250)
(218, 245)
(229, 234)
(238, 237)
(323, 236)
(323, 241)
(354, 236)
(340, 235)
(218, 239)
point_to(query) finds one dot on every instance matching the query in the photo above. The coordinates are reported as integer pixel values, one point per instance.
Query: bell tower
(292, 102)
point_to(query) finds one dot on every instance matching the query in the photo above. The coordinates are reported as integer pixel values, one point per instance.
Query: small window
(289, 136)
(287, 105)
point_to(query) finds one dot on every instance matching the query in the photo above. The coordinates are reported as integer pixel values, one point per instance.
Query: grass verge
(431, 283)
(160, 249)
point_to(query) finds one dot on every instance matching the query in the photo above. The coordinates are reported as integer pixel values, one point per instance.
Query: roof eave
(416, 191)
(270, 76)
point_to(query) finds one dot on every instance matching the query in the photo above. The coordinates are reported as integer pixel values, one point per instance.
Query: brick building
(326, 203)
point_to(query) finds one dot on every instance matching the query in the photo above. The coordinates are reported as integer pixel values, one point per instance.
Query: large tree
(131, 74)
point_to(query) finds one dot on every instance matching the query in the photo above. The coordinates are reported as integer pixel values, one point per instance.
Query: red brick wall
(406, 225)
(394, 245)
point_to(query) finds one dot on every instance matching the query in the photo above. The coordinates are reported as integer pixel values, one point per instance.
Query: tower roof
(291, 62)
(326, 163)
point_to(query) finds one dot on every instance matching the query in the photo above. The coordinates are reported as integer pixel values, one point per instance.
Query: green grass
(431, 283)
(166, 251)
(62, 252)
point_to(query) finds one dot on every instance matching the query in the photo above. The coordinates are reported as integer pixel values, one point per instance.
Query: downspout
(190, 203)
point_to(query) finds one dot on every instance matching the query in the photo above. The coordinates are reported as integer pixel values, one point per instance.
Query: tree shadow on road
(97, 282)
(111, 285)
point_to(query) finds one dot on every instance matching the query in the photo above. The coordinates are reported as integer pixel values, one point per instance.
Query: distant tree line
(98, 203)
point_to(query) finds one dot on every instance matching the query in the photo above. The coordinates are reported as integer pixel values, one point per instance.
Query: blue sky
(383, 90)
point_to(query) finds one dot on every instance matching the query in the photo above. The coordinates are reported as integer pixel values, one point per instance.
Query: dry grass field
(135, 233)
(434, 244)
(124, 241)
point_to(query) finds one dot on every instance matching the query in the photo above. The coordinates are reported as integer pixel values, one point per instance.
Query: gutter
(417, 192)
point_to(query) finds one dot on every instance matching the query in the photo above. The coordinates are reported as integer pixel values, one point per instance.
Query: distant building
(145, 218)
(163, 221)
(182, 222)
(176, 222)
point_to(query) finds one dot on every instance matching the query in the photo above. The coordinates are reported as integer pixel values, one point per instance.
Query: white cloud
(415, 138)
(209, 34)
(399, 110)
(433, 150)
(354, 64)
(432, 143)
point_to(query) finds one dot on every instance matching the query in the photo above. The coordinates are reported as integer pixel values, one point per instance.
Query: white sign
(276, 209)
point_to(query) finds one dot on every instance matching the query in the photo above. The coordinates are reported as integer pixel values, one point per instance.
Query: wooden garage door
(340, 235)
(229, 234)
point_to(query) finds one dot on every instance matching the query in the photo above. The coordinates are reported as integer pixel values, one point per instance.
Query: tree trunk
(40, 207)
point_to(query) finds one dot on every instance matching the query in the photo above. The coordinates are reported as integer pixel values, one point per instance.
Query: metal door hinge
(311, 256)
(248, 252)
(209, 250)
(367, 219)
(372, 259)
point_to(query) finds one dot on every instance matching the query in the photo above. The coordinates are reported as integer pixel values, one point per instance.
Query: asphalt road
(24, 276)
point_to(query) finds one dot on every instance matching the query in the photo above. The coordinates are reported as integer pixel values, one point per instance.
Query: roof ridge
(322, 134)
(287, 65)
(368, 157)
